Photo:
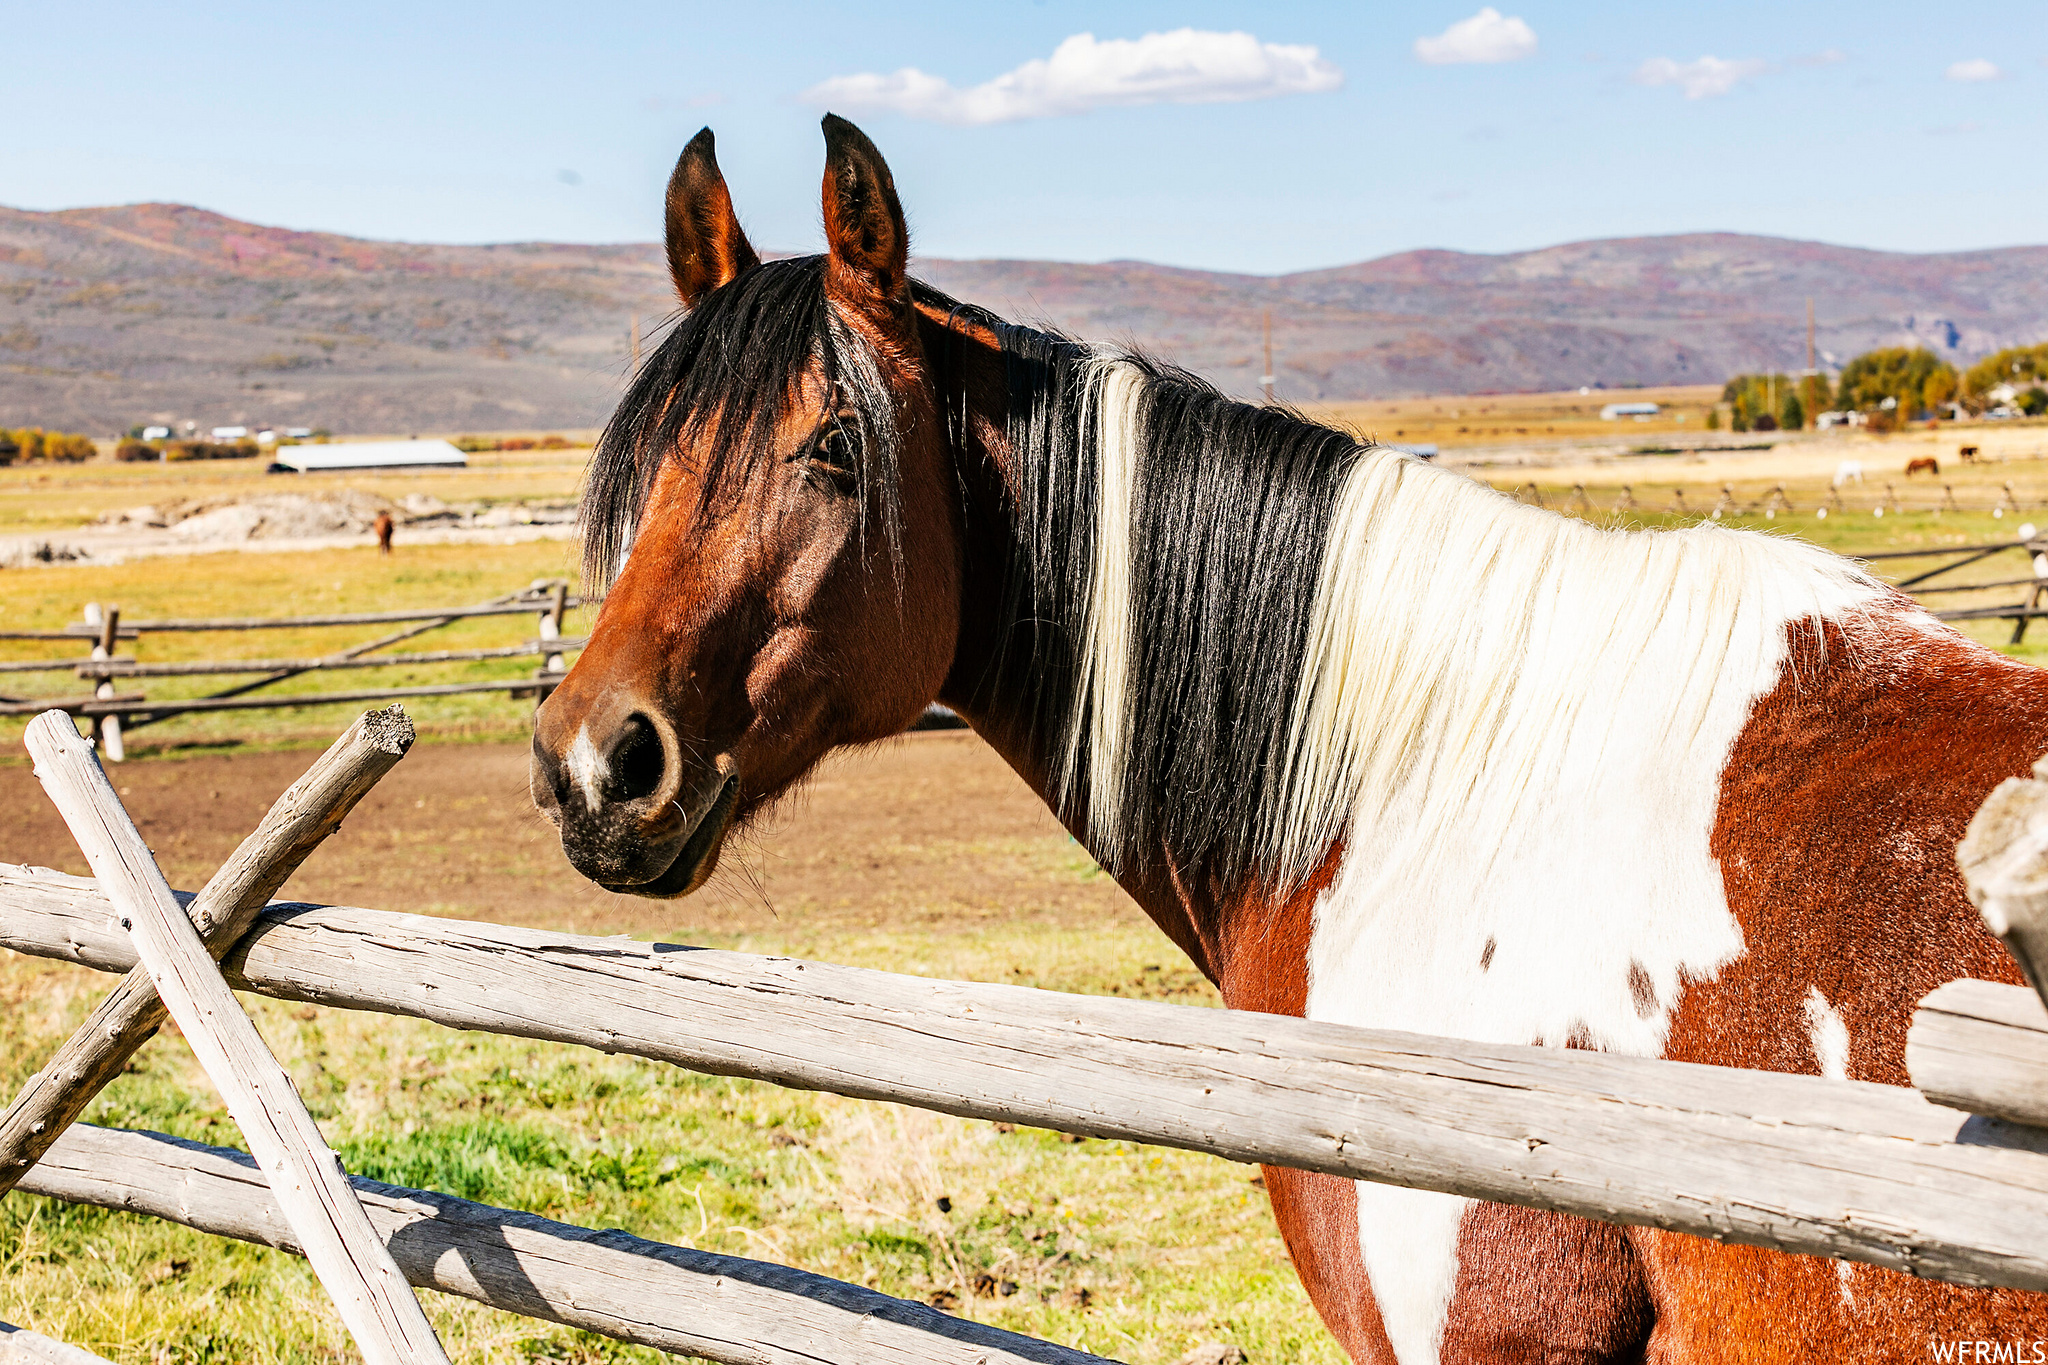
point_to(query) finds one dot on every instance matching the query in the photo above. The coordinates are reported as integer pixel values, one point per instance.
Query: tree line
(33, 443)
(1888, 386)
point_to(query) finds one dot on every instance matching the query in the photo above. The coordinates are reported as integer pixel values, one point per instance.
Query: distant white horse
(1847, 471)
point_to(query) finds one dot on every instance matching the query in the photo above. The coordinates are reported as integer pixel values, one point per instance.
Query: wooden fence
(113, 713)
(1949, 1182)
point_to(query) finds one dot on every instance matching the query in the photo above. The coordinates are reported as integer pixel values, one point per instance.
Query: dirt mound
(260, 516)
(308, 516)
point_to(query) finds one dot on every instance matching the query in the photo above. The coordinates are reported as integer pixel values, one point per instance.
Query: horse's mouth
(697, 859)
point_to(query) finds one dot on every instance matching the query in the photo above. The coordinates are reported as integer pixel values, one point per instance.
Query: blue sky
(465, 122)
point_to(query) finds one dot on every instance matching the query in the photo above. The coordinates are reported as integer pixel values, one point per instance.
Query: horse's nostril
(638, 763)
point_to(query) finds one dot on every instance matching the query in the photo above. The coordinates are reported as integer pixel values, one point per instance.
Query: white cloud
(1186, 66)
(1485, 37)
(1974, 70)
(1833, 56)
(1700, 79)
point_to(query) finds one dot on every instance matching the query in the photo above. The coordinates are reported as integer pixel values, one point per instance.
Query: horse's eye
(837, 455)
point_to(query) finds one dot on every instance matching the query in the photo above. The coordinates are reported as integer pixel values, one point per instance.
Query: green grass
(1130, 1251)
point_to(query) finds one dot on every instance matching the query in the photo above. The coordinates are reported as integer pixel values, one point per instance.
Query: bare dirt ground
(930, 832)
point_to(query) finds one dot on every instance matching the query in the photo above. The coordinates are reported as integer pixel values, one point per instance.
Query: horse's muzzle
(634, 816)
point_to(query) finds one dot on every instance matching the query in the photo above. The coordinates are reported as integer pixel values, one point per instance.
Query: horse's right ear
(705, 245)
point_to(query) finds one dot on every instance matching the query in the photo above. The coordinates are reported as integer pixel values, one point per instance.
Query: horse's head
(773, 512)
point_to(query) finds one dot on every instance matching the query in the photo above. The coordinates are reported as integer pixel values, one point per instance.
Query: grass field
(925, 856)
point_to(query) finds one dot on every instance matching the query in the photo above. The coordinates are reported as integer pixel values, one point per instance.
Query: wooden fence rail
(113, 713)
(696, 1303)
(1845, 1169)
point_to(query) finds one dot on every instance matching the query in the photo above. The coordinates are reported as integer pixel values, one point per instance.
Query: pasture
(924, 855)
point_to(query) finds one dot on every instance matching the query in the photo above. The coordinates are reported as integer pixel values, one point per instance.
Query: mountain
(156, 312)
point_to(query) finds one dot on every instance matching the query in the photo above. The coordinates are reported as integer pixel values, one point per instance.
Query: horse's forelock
(728, 372)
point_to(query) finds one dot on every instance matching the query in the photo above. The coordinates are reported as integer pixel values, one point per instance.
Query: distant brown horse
(383, 526)
(1926, 464)
(1371, 742)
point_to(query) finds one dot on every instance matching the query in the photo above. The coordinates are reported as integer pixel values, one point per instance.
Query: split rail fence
(114, 713)
(1947, 1181)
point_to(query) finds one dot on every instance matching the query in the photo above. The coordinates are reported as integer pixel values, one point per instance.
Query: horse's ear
(870, 246)
(705, 245)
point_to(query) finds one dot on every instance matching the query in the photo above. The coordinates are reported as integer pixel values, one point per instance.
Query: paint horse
(1370, 742)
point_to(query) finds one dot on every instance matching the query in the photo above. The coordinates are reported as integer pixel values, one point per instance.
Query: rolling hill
(159, 312)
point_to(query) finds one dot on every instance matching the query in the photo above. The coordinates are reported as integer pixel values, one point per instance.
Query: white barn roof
(370, 455)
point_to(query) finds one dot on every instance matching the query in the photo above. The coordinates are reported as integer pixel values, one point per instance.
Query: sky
(1255, 138)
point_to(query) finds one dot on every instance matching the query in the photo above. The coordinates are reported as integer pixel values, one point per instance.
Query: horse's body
(1925, 464)
(1371, 743)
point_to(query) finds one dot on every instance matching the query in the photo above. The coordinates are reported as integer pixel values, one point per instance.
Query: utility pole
(1266, 379)
(1809, 334)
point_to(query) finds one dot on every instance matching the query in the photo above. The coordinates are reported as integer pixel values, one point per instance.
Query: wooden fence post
(310, 809)
(305, 1177)
(106, 730)
(551, 630)
(2004, 860)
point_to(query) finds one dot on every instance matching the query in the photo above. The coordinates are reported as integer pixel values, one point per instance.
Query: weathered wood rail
(694, 1303)
(1844, 1169)
(114, 714)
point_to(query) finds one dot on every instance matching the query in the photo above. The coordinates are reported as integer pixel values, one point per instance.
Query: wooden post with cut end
(352, 1262)
(310, 809)
(2004, 859)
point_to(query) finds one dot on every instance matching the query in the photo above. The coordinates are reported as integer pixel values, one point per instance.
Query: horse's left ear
(870, 246)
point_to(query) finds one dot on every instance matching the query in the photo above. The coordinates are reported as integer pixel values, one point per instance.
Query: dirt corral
(930, 833)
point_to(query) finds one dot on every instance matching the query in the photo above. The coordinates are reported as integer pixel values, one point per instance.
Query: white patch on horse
(1829, 1034)
(1517, 724)
(1109, 626)
(587, 769)
(1409, 1240)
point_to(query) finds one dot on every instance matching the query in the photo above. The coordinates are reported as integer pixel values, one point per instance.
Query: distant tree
(2015, 365)
(1895, 372)
(1816, 395)
(1752, 397)
(1940, 388)
(1792, 413)
(2034, 402)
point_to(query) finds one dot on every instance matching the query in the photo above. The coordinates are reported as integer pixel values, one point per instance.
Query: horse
(1848, 471)
(1925, 464)
(1369, 741)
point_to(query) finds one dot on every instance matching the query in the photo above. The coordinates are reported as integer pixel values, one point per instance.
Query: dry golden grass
(1487, 419)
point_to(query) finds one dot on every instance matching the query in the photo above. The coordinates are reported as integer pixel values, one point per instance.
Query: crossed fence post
(180, 978)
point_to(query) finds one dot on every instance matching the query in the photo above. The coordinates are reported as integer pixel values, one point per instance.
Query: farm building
(368, 455)
(1615, 411)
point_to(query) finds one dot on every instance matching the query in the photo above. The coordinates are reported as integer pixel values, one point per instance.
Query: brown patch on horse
(1841, 806)
(705, 245)
(1541, 1288)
